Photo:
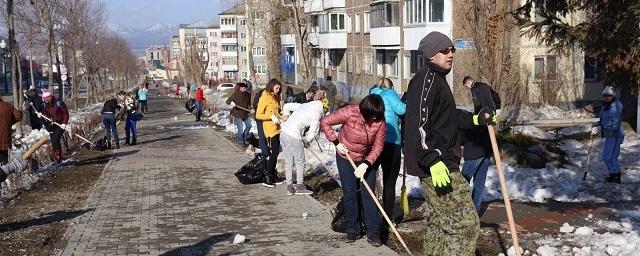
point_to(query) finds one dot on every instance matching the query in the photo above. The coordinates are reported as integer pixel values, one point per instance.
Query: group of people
(371, 136)
(129, 107)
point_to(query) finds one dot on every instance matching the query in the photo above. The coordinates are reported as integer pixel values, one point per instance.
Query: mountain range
(141, 38)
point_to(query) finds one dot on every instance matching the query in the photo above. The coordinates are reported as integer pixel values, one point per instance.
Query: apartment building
(193, 39)
(214, 52)
(230, 29)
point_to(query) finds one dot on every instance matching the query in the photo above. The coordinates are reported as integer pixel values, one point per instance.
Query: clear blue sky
(144, 13)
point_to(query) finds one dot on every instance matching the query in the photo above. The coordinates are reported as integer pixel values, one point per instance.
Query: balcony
(227, 68)
(233, 40)
(313, 38)
(312, 6)
(328, 4)
(385, 36)
(228, 28)
(288, 40)
(332, 40)
(229, 54)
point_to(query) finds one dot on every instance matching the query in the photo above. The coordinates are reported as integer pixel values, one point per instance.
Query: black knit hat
(434, 42)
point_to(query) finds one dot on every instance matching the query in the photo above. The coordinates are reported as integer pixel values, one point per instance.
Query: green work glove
(440, 175)
(485, 117)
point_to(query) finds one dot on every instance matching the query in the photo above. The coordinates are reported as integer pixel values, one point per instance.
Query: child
(133, 115)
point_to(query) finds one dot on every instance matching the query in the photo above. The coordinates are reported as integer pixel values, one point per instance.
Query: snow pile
(565, 184)
(533, 132)
(524, 113)
(591, 243)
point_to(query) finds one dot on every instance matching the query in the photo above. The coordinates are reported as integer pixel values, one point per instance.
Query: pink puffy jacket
(355, 133)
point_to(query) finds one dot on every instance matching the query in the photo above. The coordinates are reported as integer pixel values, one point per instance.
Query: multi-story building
(194, 40)
(229, 46)
(174, 60)
(356, 42)
(238, 31)
(213, 48)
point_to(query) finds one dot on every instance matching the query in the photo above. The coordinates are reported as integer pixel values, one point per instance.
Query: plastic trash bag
(190, 105)
(252, 172)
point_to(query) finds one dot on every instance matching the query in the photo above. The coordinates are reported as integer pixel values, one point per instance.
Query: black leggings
(273, 144)
(55, 133)
(390, 161)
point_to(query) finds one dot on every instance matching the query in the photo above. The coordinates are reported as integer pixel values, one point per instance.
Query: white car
(226, 86)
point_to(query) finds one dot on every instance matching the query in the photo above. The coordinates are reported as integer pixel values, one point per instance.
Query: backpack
(257, 99)
(496, 98)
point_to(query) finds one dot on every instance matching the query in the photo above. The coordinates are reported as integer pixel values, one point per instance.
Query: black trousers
(4, 156)
(273, 144)
(390, 162)
(55, 133)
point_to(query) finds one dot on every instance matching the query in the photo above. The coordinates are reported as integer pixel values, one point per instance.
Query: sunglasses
(448, 50)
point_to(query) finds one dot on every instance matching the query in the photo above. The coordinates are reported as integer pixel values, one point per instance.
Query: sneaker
(301, 189)
(613, 178)
(268, 184)
(290, 190)
(374, 239)
(279, 180)
(350, 238)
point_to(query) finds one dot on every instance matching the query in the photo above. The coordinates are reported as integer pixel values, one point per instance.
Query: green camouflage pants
(452, 220)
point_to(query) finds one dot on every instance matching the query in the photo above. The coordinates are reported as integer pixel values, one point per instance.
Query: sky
(144, 13)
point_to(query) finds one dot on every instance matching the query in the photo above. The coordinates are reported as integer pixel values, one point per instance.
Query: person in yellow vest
(268, 112)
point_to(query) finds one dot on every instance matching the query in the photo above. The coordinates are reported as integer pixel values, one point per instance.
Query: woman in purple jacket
(362, 138)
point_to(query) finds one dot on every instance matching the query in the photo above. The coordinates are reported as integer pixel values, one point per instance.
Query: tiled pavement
(175, 194)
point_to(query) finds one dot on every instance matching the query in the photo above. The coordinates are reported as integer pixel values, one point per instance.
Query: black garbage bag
(252, 172)
(339, 222)
(100, 144)
(190, 105)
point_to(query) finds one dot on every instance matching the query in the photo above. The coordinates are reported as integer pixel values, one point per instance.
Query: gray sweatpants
(293, 150)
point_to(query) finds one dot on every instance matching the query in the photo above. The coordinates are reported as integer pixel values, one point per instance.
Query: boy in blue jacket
(611, 130)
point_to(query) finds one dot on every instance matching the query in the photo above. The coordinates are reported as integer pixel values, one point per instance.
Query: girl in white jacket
(300, 128)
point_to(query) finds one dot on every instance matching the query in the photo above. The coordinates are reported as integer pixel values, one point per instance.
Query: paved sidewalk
(175, 194)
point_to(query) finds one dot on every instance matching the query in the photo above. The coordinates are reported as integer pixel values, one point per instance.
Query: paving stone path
(175, 194)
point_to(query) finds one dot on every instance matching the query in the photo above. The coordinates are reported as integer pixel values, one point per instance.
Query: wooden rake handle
(373, 196)
(503, 186)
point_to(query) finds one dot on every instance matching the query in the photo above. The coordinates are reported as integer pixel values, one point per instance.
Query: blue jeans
(130, 127)
(262, 140)
(610, 154)
(199, 107)
(350, 186)
(109, 121)
(476, 169)
(242, 134)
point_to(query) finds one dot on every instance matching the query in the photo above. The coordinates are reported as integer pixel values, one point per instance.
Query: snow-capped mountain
(140, 38)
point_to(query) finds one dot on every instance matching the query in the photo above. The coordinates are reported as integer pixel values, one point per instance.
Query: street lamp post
(3, 47)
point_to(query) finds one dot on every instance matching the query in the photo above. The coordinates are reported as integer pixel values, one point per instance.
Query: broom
(404, 197)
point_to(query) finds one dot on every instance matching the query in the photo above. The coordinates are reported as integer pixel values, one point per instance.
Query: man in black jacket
(477, 146)
(432, 151)
(305, 97)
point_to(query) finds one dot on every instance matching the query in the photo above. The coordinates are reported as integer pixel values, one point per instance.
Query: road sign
(63, 77)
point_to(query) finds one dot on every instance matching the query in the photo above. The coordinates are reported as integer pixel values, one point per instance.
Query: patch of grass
(517, 139)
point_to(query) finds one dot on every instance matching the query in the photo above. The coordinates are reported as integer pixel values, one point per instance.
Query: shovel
(404, 197)
(384, 214)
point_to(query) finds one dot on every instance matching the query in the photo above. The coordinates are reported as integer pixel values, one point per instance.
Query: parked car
(226, 86)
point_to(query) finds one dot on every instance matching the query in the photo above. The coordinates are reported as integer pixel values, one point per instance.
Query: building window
(417, 62)
(229, 48)
(380, 64)
(421, 11)
(394, 67)
(545, 67)
(591, 72)
(259, 51)
(243, 22)
(357, 23)
(366, 22)
(367, 65)
(385, 15)
(228, 35)
(243, 35)
(244, 62)
(243, 48)
(332, 22)
(229, 61)
(261, 69)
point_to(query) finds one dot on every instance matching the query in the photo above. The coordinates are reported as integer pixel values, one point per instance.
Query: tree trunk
(74, 76)
(31, 73)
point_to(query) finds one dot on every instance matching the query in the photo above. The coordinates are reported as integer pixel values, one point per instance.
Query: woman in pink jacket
(362, 137)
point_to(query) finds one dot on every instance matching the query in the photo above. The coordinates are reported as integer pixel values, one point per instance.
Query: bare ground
(34, 223)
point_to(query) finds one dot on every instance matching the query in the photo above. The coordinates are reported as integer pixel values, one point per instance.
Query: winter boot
(126, 142)
(133, 142)
(57, 156)
(613, 178)
(269, 180)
